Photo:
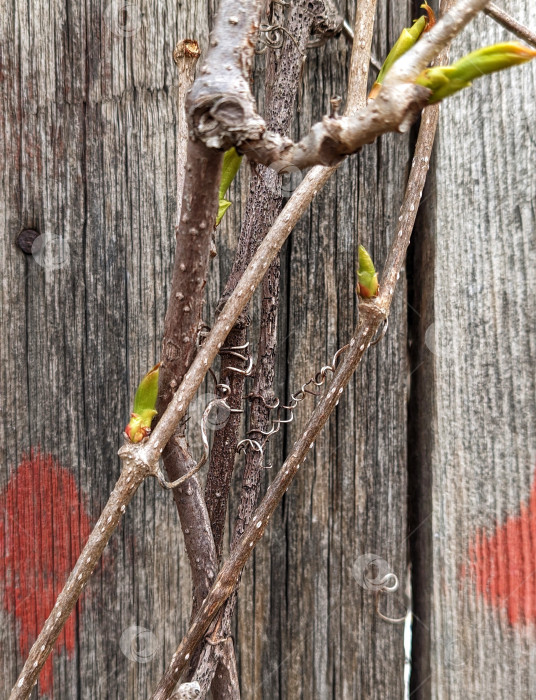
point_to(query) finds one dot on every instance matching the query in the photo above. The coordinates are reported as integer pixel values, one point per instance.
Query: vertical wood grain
(323, 637)
(87, 144)
(474, 414)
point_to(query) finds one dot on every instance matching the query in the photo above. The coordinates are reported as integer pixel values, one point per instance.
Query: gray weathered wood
(88, 149)
(337, 510)
(474, 409)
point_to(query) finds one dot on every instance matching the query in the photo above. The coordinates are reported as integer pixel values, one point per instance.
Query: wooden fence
(430, 457)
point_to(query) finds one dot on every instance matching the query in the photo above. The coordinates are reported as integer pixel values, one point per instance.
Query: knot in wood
(225, 120)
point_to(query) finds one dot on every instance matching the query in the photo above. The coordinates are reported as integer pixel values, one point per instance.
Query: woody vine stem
(221, 113)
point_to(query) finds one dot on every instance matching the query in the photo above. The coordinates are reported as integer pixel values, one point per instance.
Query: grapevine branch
(178, 462)
(262, 207)
(141, 460)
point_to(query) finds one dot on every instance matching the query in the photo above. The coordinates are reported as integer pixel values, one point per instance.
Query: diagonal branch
(508, 22)
(229, 575)
(329, 141)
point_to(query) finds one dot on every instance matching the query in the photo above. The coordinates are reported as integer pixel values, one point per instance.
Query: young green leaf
(223, 205)
(367, 275)
(231, 165)
(144, 411)
(405, 41)
(444, 81)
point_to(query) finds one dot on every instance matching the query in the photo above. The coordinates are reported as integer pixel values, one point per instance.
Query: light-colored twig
(132, 475)
(227, 580)
(508, 22)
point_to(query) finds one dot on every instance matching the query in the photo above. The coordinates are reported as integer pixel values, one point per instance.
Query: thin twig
(414, 188)
(508, 22)
(132, 475)
(229, 575)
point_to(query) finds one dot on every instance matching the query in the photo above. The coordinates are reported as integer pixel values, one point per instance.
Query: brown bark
(264, 203)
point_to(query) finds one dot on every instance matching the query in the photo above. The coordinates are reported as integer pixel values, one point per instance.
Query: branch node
(335, 104)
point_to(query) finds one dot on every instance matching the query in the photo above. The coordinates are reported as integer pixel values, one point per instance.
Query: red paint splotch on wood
(43, 528)
(502, 564)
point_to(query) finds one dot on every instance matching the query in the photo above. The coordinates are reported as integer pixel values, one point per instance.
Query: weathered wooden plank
(88, 143)
(323, 635)
(475, 581)
(88, 160)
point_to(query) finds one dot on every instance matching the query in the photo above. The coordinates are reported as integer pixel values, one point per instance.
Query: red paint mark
(42, 530)
(503, 564)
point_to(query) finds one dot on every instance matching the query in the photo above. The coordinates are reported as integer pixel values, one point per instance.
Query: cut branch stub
(220, 106)
(187, 49)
